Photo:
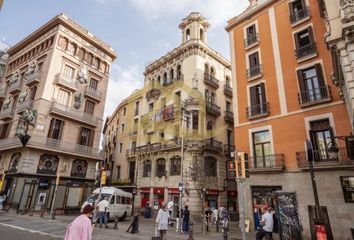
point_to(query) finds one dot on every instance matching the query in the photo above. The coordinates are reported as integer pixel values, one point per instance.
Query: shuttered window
(55, 129)
(4, 130)
(86, 137)
(89, 107)
(258, 100)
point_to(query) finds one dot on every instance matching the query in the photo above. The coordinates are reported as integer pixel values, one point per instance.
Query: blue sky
(138, 30)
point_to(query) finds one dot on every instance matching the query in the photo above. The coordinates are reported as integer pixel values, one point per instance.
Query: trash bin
(147, 212)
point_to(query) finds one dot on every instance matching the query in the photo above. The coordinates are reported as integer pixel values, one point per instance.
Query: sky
(139, 31)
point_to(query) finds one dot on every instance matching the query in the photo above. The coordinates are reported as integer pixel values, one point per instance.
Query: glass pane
(260, 137)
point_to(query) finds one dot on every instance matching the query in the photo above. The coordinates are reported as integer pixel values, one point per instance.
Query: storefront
(174, 195)
(158, 197)
(145, 195)
(211, 198)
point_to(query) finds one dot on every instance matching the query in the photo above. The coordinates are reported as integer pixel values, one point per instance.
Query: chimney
(252, 2)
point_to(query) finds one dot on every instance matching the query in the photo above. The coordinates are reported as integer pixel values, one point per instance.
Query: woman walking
(80, 228)
(162, 221)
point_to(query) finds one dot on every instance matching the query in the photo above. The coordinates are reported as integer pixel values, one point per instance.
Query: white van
(120, 202)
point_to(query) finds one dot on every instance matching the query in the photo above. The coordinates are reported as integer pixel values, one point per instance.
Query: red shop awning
(145, 190)
(159, 190)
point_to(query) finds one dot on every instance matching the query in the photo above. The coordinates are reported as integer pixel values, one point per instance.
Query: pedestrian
(162, 221)
(102, 211)
(214, 216)
(178, 217)
(224, 218)
(80, 228)
(170, 209)
(134, 226)
(267, 225)
(2, 200)
(207, 213)
(186, 215)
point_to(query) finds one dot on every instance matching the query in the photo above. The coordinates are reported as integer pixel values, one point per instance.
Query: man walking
(162, 220)
(102, 211)
(267, 225)
(186, 214)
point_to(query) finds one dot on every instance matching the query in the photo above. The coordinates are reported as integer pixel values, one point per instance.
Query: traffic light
(243, 158)
(231, 169)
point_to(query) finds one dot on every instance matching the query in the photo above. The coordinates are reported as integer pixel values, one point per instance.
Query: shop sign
(159, 190)
(145, 190)
(212, 192)
(173, 190)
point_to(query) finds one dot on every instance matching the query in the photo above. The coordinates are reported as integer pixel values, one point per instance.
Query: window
(133, 147)
(228, 106)
(175, 167)
(136, 108)
(258, 99)
(120, 147)
(113, 200)
(86, 137)
(118, 173)
(305, 43)
(227, 81)
(251, 35)
(348, 188)
(298, 10)
(188, 35)
(262, 149)
(63, 97)
(132, 171)
(201, 34)
(195, 119)
(147, 168)
(93, 84)
(68, 73)
(151, 107)
(32, 93)
(312, 85)
(160, 167)
(55, 129)
(210, 165)
(122, 127)
(179, 72)
(4, 130)
(321, 134)
(124, 111)
(89, 107)
(162, 136)
(254, 66)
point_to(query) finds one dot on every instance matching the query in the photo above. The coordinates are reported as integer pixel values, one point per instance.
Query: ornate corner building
(61, 70)
(187, 97)
(284, 94)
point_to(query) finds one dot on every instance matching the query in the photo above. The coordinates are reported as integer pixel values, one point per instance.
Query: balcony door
(262, 149)
(258, 99)
(321, 136)
(68, 73)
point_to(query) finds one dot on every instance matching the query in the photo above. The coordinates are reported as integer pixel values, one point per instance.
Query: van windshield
(93, 197)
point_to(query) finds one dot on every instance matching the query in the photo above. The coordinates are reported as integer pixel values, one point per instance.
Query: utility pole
(241, 164)
(54, 196)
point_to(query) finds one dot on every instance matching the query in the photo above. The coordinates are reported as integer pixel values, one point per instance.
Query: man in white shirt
(267, 225)
(162, 221)
(102, 211)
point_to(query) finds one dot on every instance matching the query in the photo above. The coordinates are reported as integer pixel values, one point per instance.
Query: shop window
(79, 168)
(147, 168)
(348, 188)
(48, 164)
(210, 166)
(175, 167)
(160, 167)
(305, 43)
(55, 129)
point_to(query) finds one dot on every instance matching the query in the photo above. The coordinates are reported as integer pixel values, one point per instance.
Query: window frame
(343, 189)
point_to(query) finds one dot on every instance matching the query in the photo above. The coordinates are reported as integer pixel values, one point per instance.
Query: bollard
(115, 222)
(53, 214)
(226, 233)
(191, 231)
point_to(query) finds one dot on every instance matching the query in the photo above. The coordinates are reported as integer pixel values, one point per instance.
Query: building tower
(194, 27)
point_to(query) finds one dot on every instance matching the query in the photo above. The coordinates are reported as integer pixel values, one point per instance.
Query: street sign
(180, 186)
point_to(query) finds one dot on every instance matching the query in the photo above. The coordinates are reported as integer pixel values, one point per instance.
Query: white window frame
(260, 129)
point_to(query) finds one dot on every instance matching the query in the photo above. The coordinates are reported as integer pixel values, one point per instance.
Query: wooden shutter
(296, 38)
(300, 78)
(263, 91)
(310, 31)
(50, 132)
(319, 74)
(61, 129)
(253, 95)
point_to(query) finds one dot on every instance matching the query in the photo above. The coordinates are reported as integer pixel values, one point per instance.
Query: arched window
(147, 168)
(171, 75)
(201, 33)
(227, 81)
(175, 167)
(160, 167)
(206, 69)
(79, 168)
(210, 166)
(179, 72)
(188, 35)
(159, 79)
(165, 79)
(207, 96)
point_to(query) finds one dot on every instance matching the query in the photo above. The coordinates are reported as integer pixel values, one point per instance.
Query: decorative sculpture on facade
(347, 10)
(79, 168)
(78, 100)
(15, 160)
(48, 164)
(82, 76)
(7, 103)
(22, 97)
(30, 69)
(29, 117)
(14, 78)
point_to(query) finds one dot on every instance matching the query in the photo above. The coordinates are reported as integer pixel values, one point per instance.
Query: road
(9, 233)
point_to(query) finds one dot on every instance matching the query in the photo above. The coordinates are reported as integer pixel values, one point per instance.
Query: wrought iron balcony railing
(212, 144)
(251, 40)
(93, 93)
(254, 71)
(66, 82)
(299, 15)
(274, 161)
(229, 117)
(211, 80)
(315, 95)
(212, 109)
(306, 50)
(258, 110)
(228, 90)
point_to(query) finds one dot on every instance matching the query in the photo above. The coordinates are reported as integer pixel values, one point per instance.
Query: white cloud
(216, 11)
(121, 84)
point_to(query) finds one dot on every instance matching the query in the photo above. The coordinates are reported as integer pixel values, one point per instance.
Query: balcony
(130, 152)
(8, 143)
(34, 78)
(229, 117)
(258, 110)
(212, 109)
(15, 87)
(299, 15)
(211, 80)
(70, 84)
(251, 40)
(67, 112)
(325, 159)
(22, 106)
(212, 145)
(267, 163)
(7, 114)
(164, 146)
(228, 90)
(305, 51)
(152, 93)
(314, 96)
(254, 72)
(133, 132)
(2, 93)
(228, 149)
(93, 94)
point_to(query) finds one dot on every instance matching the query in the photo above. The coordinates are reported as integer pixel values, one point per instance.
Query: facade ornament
(30, 69)
(23, 95)
(15, 160)
(28, 117)
(82, 76)
(7, 103)
(349, 36)
(347, 10)
(14, 78)
(48, 164)
(79, 168)
(195, 81)
(78, 100)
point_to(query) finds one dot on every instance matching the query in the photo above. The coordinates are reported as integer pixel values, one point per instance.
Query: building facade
(187, 95)
(283, 95)
(60, 70)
